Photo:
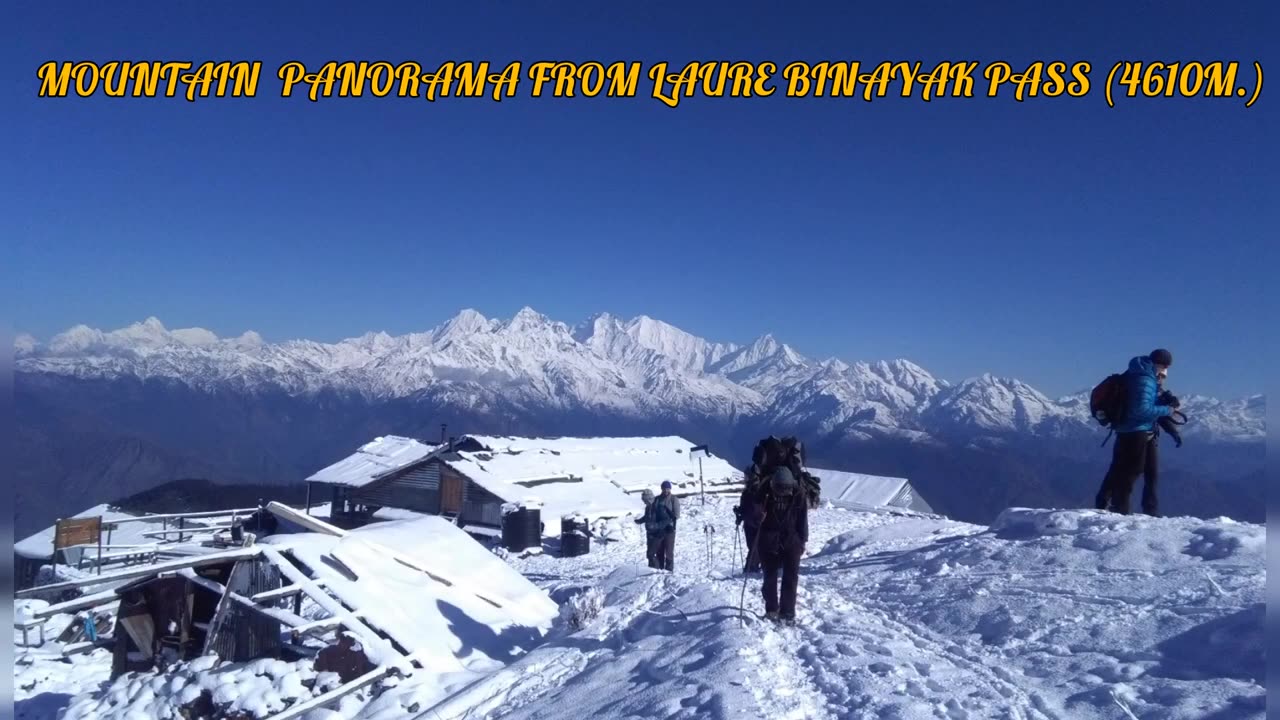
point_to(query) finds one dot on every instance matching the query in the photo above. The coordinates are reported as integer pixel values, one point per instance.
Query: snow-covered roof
(593, 477)
(374, 459)
(449, 618)
(874, 490)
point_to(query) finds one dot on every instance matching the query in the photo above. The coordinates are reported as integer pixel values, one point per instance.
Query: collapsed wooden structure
(240, 604)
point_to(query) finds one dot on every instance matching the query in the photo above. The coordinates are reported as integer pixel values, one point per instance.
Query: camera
(1168, 398)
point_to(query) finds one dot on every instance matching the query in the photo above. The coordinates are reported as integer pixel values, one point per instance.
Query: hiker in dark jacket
(1135, 433)
(780, 540)
(667, 511)
(652, 532)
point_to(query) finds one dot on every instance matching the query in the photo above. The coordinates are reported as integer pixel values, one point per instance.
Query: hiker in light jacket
(652, 532)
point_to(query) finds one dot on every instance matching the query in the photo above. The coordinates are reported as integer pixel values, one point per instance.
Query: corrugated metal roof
(373, 460)
(605, 471)
(873, 490)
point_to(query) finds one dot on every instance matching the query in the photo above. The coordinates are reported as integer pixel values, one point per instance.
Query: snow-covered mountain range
(105, 415)
(640, 368)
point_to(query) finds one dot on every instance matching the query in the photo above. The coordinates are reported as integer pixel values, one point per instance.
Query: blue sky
(1048, 240)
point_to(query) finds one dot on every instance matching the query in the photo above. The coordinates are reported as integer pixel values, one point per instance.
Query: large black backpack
(772, 453)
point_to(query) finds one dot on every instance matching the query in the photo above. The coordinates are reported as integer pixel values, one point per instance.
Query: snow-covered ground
(1046, 614)
(1066, 614)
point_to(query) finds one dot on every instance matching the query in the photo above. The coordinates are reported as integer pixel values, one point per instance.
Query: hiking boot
(772, 616)
(789, 620)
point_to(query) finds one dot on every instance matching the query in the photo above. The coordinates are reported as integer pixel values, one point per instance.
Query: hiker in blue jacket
(1135, 432)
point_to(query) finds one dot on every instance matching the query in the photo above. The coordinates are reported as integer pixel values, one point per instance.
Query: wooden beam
(137, 572)
(88, 601)
(193, 530)
(324, 624)
(296, 576)
(309, 522)
(283, 617)
(320, 701)
(284, 592)
(175, 516)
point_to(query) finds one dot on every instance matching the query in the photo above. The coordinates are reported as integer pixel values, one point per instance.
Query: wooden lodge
(469, 480)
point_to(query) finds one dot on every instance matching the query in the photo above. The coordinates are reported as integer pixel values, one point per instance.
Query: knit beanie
(1162, 357)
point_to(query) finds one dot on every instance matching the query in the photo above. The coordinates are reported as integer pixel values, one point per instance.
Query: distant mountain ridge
(639, 368)
(102, 415)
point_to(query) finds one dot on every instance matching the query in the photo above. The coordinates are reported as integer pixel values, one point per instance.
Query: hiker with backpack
(1132, 405)
(1151, 465)
(652, 531)
(769, 455)
(667, 513)
(780, 542)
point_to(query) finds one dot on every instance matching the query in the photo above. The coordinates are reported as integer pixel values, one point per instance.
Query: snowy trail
(844, 660)
(1047, 615)
(869, 665)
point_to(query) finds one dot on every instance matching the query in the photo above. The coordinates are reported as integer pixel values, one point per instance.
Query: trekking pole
(711, 548)
(743, 596)
(707, 548)
(734, 557)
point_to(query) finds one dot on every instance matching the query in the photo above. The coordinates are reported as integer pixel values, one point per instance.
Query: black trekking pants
(1130, 458)
(653, 544)
(788, 561)
(752, 563)
(1150, 476)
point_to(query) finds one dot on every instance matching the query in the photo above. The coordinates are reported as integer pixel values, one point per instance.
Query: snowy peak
(146, 337)
(466, 323)
(764, 356)
(910, 376)
(152, 332)
(991, 403)
(686, 350)
(529, 324)
(645, 340)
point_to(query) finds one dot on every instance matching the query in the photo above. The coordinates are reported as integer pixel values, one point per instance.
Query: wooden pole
(55, 546)
(337, 693)
(701, 483)
(99, 551)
